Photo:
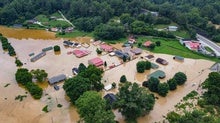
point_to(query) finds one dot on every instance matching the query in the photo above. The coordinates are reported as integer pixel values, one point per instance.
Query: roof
(106, 47)
(178, 58)
(38, 56)
(149, 56)
(136, 51)
(157, 74)
(120, 54)
(80, 53)
(110, 97)
(175, 27)
(215, 67)
(193, 45)
(108, 87)
(96, 61)
(161, 61)
(57, 78)
(154, 66)
(147, 43)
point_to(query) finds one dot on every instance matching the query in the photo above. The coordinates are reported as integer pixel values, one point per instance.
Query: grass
(75, 33)
(45, 109)
(173, 47)
(209, 49)
(42, 18)
(181, 33)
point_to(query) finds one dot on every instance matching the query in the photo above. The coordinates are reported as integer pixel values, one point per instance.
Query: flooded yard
(30, 110)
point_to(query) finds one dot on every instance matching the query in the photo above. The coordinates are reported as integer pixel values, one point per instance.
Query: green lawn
(209, 49)
(173, 47)
(181, 33)
(74, 34)
(42, 18)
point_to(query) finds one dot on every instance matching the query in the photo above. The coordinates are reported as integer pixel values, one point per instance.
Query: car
(56, 87)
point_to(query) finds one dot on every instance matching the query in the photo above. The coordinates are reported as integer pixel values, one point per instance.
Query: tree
(40, 75)
(147, 65)
(172, 84)
(180, 78)
(163, 89)
(92, 108)
(34, 90)
(75, 87)
(56, 48)
(212, 84)
(138, 27)
(141, 66)
(18, 62)
(23, 76)
(105, 64)
(124, 58)
(134, 101)
(216, 38)
(152, 46)
(123, 79)
(98, 51)
(81, 67)
(153, 84)
(158, 43)
(113, 85)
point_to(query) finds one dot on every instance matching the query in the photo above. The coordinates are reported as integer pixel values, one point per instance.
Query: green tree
(92, 108)
(163, 89)
(75, 87)
(123, 79)
(98, 51)
(212, 84)
(158, 43)
(141, 66)
(124, 58)
(180, 78)
(40, 75)
(152, 46)
(105, 64)
(147, 65)
(126, 19)
(81, 67)
(153, 84)
(134, 101)
(23, 76)
(138, 27)
(172, 84)
(18, 62)
(56, 48)
(34, 90)
(113, 85)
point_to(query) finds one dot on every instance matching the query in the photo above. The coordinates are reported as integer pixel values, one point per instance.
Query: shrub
(113, 85)
(140, 66)
(56, 48)
(158, 43)
(163, 89)
(172, 84)
(153, 84)
(18, 62)
(123, 79)
(147, 65)
(180, 78)
(34, 90)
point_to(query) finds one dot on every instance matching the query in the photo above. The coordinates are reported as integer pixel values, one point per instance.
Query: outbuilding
(159, 74)
(56, 79)
(96, 61)
(178, 58)
(136, 51)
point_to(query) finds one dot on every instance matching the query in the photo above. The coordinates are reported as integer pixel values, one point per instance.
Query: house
(149, 57)
(54, 29)
(127, 50)
(121, 54)
(147, 43)
(57, 79)
(154, 66)
(178, 58)
(96, 61)
(191, 44)
(111, 98)
(47, 49)
(161, 61)
(159, 74)
(106, 48)
(215, 67)
(69, 29)
(68, 43)
(38, 56)
(126, 44)
(80, 53)
(75, 71)
(131, 39)
(172, 28)
(136, 51)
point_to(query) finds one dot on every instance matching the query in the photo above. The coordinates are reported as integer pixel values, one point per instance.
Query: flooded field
(30, 110)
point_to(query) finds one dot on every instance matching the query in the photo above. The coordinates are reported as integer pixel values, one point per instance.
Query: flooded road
(30, 110)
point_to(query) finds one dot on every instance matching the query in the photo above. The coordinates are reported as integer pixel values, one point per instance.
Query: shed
(154, 66)
(178, 58)
(106, 48)
(161, 61)
(47, 48)
(38, 56)
(157, 74)
(136, 51)
(108, 87)
(57, 79)
(96, 61)
(110, 97)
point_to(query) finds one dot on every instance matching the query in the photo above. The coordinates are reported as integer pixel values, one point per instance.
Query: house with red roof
(147, 43)
(106, 48)
(192, 45)
(96, 61)
(80, 53)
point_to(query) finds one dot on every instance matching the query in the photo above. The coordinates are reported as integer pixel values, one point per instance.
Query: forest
(195, 16)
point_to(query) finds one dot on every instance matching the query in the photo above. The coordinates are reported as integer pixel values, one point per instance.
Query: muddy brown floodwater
(30, 110)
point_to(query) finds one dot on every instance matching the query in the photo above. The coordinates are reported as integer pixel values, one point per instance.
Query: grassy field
(74, 34)
(173, 47)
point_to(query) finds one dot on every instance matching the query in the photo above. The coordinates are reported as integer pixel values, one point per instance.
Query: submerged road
(211, 44)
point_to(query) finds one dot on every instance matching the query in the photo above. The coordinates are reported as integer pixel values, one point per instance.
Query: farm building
(136, 51)
(106, 48)
(110, 97)
(157, 74)
(57, 79)
(38, 56)
(96, 61)
(215, 67)
(147, 43)
(80, 53)
(161, 61)
(178, 58)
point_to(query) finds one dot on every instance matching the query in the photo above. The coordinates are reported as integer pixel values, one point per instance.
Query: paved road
(211, 44)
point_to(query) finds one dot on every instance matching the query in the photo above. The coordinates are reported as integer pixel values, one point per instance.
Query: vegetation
(180, 78)
(98, 51)
(45, 109)
(141, 66)
(59, 105)
(172, 84)
(163, 89)
(153, 84)
(134, 101)
(123, 79)
(56, 48)
(34, 90)
(113, 85)
(20, 97)
(81, 67)
(92, 108)
(40, 75)
(18, 62)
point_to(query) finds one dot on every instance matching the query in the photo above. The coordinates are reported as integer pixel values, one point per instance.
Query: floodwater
(29, 110)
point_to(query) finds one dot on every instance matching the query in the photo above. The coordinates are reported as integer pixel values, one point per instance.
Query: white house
(172, 28)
